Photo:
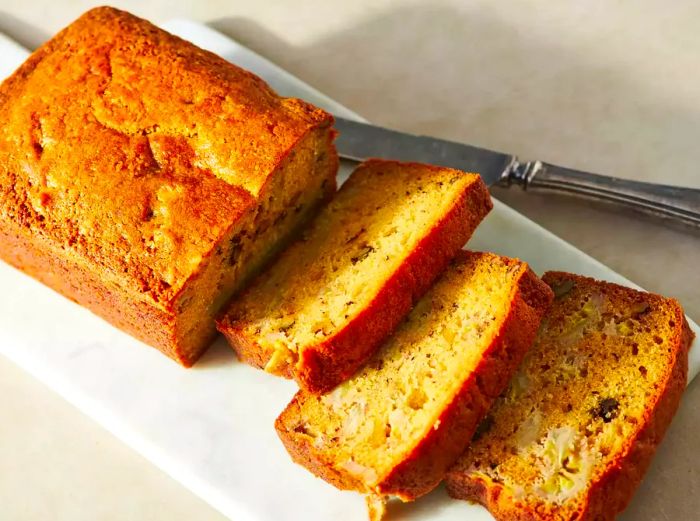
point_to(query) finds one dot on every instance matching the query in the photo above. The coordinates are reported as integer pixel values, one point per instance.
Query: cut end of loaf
(302, 183)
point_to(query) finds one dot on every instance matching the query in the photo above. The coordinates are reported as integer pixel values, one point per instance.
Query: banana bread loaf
(146, 178)
(334, 296)
(397, 425)
(574, 433)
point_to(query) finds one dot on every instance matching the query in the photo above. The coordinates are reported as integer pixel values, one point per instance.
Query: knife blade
(359, 141)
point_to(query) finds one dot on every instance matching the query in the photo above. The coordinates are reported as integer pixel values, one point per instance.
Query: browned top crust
(135, 151)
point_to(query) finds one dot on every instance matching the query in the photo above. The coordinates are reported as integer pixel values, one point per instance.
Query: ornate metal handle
(670, 202)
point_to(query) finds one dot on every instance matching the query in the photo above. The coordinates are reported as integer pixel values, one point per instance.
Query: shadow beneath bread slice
(435, 506)
(218, 355)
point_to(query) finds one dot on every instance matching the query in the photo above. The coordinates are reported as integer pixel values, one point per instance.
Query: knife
(359, 141)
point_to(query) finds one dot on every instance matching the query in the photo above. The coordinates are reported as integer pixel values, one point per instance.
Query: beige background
(608, 86)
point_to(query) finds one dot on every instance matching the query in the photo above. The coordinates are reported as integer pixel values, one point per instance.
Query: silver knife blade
(360, 141)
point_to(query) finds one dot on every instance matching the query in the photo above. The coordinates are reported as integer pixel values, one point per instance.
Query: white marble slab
(211, 427)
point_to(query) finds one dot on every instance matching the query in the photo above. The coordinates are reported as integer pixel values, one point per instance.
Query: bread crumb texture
(453, 352)
(559, 444)
(372, 236)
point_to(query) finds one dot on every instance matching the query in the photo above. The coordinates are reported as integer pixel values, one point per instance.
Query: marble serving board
(211, 427)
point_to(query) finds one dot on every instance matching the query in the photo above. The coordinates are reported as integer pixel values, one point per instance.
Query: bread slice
(334, 296)
(148, 179)
(572, 436)
(397, 425)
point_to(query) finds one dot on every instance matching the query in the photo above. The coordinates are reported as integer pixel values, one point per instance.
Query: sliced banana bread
(397, 425)
(572, 436)
(335, 295)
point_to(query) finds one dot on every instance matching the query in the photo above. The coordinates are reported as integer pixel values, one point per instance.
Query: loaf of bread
(574, 433)
(330, 300)
(397, 425)
(147, 179)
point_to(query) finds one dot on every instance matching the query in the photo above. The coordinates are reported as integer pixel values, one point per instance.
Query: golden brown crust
(611, 492)
(425, 466)
(41, 261)
(128, 154)
(323, 366)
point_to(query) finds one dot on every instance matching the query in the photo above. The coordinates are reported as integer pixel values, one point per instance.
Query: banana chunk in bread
(334, 296)
(574, 433)
(397, 425)
(147, 179)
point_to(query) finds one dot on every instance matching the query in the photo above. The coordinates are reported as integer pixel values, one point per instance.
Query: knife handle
(670, 202)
